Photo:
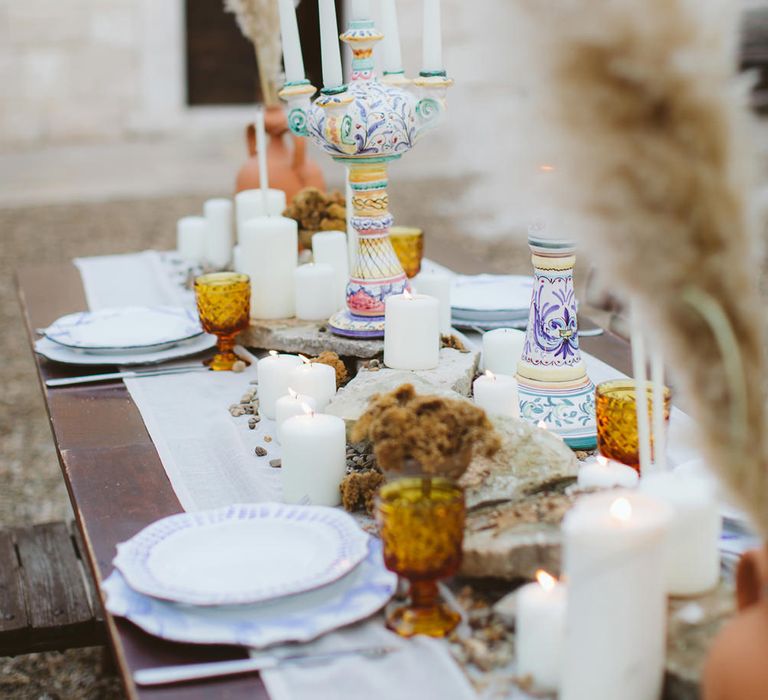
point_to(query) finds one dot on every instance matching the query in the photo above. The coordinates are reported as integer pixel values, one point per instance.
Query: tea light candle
(540, 631)
(272, 373)
(315, 380)
(190, 238)
(313, 459)
(615, 640)
(315, 291)
(411, 331)
(269, 254)
(502, 349)
(602, 473)
(289, 34)
(438, 285)
(218, 241)
(496, 394)
(290, 405)
(432, 48)
(249, 204)
(330, 248)
(329, 44)
(692, 559)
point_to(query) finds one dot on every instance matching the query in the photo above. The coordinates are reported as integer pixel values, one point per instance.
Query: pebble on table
(260, 451)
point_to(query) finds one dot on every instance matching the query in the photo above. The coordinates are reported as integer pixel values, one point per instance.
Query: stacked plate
(125, 336)
(490, 301)
(251, 575)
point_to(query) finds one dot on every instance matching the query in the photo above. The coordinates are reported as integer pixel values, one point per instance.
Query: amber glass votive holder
(616, 413)
(408, 243)
(224, 306)
(421, 522)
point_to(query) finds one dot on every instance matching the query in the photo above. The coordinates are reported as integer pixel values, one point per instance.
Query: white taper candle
(393, 60)
(329, 43)
(289, 32)
(659, 424)
(261, 151)
(432, 47)
(641, 393)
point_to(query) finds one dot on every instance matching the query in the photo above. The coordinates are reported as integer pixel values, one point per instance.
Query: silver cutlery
(127, 374)
(165, 675)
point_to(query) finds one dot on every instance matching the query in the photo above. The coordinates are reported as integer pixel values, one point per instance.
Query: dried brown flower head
(315, 210)
(333, 360)
(358, 490)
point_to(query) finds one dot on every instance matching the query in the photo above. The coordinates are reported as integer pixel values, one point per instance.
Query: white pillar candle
(602, 473)
(330, 248)
(540, 632)
(329, 43)
(361, 9)
(615, 640)
(692, 554)
(269, 254)
(393, 61)
(315, 291)
(313, 459)
(273, 373)
(496, 394)
(249, 204)
(502, 349)
(438, 285)
(290, 405)
(411, 331)
(218, 240)
(190, 238)
(314, 379)
(289, 34)
(432, 48)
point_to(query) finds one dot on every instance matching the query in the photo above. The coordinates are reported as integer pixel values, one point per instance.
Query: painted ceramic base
(351, 326)
(567, 408)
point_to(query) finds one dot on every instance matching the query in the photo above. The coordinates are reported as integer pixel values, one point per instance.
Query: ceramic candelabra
(553, 382)
(365, 125)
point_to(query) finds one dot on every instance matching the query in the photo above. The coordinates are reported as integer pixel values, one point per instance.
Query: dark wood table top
(117, 483)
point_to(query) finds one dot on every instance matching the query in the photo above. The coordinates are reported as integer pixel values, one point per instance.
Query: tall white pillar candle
(290, 405)
(316, 380)
(692, 556)
(617, 606)
(289, 34)
(540, 632)
(329, 44)
(393, 61)
(250, 203)
(602, 473)
(432, 48)
(219, 239)
(411, 331)
(315, 291)
(496, 394)
(272, 373)
(330, 248)
(502, 349)
(269, 255)
(190, 238)
(313, 459)
(438, 285)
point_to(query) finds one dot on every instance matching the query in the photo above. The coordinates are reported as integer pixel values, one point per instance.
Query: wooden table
(117, 483)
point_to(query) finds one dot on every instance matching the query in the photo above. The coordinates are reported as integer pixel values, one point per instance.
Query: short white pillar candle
(692, 544)
(272, 373)
(411, 331)
(502, 349)
(602, 473)
(540, 632)
(219, 239)
(314, 379)
(314, 459)
(315, 291)
(615, 642)
(269, 253)
(496, 394)
(438, 285)
(190, 238)
(290, 405)
(330, 248)
(250, 203)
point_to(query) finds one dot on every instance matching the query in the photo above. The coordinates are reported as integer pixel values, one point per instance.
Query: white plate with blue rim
(125, 329)
(297, 618)
(241, 554)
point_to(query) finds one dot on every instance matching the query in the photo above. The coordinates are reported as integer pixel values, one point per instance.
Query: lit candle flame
(273, 353)
(546, 581)
(292, 393)
(307, 409)
(305, 359)
(407, 293)
(602, 461)
(546, 168)
(621, 509)
(541, 424)
(490, 375)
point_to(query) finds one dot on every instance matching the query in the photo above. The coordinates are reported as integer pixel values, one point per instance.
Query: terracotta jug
(288, 171)
(737, 666)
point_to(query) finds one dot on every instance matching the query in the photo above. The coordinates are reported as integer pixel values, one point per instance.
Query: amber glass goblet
(616, 413)
(224, 306)
(421, 521)
(408, 243)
